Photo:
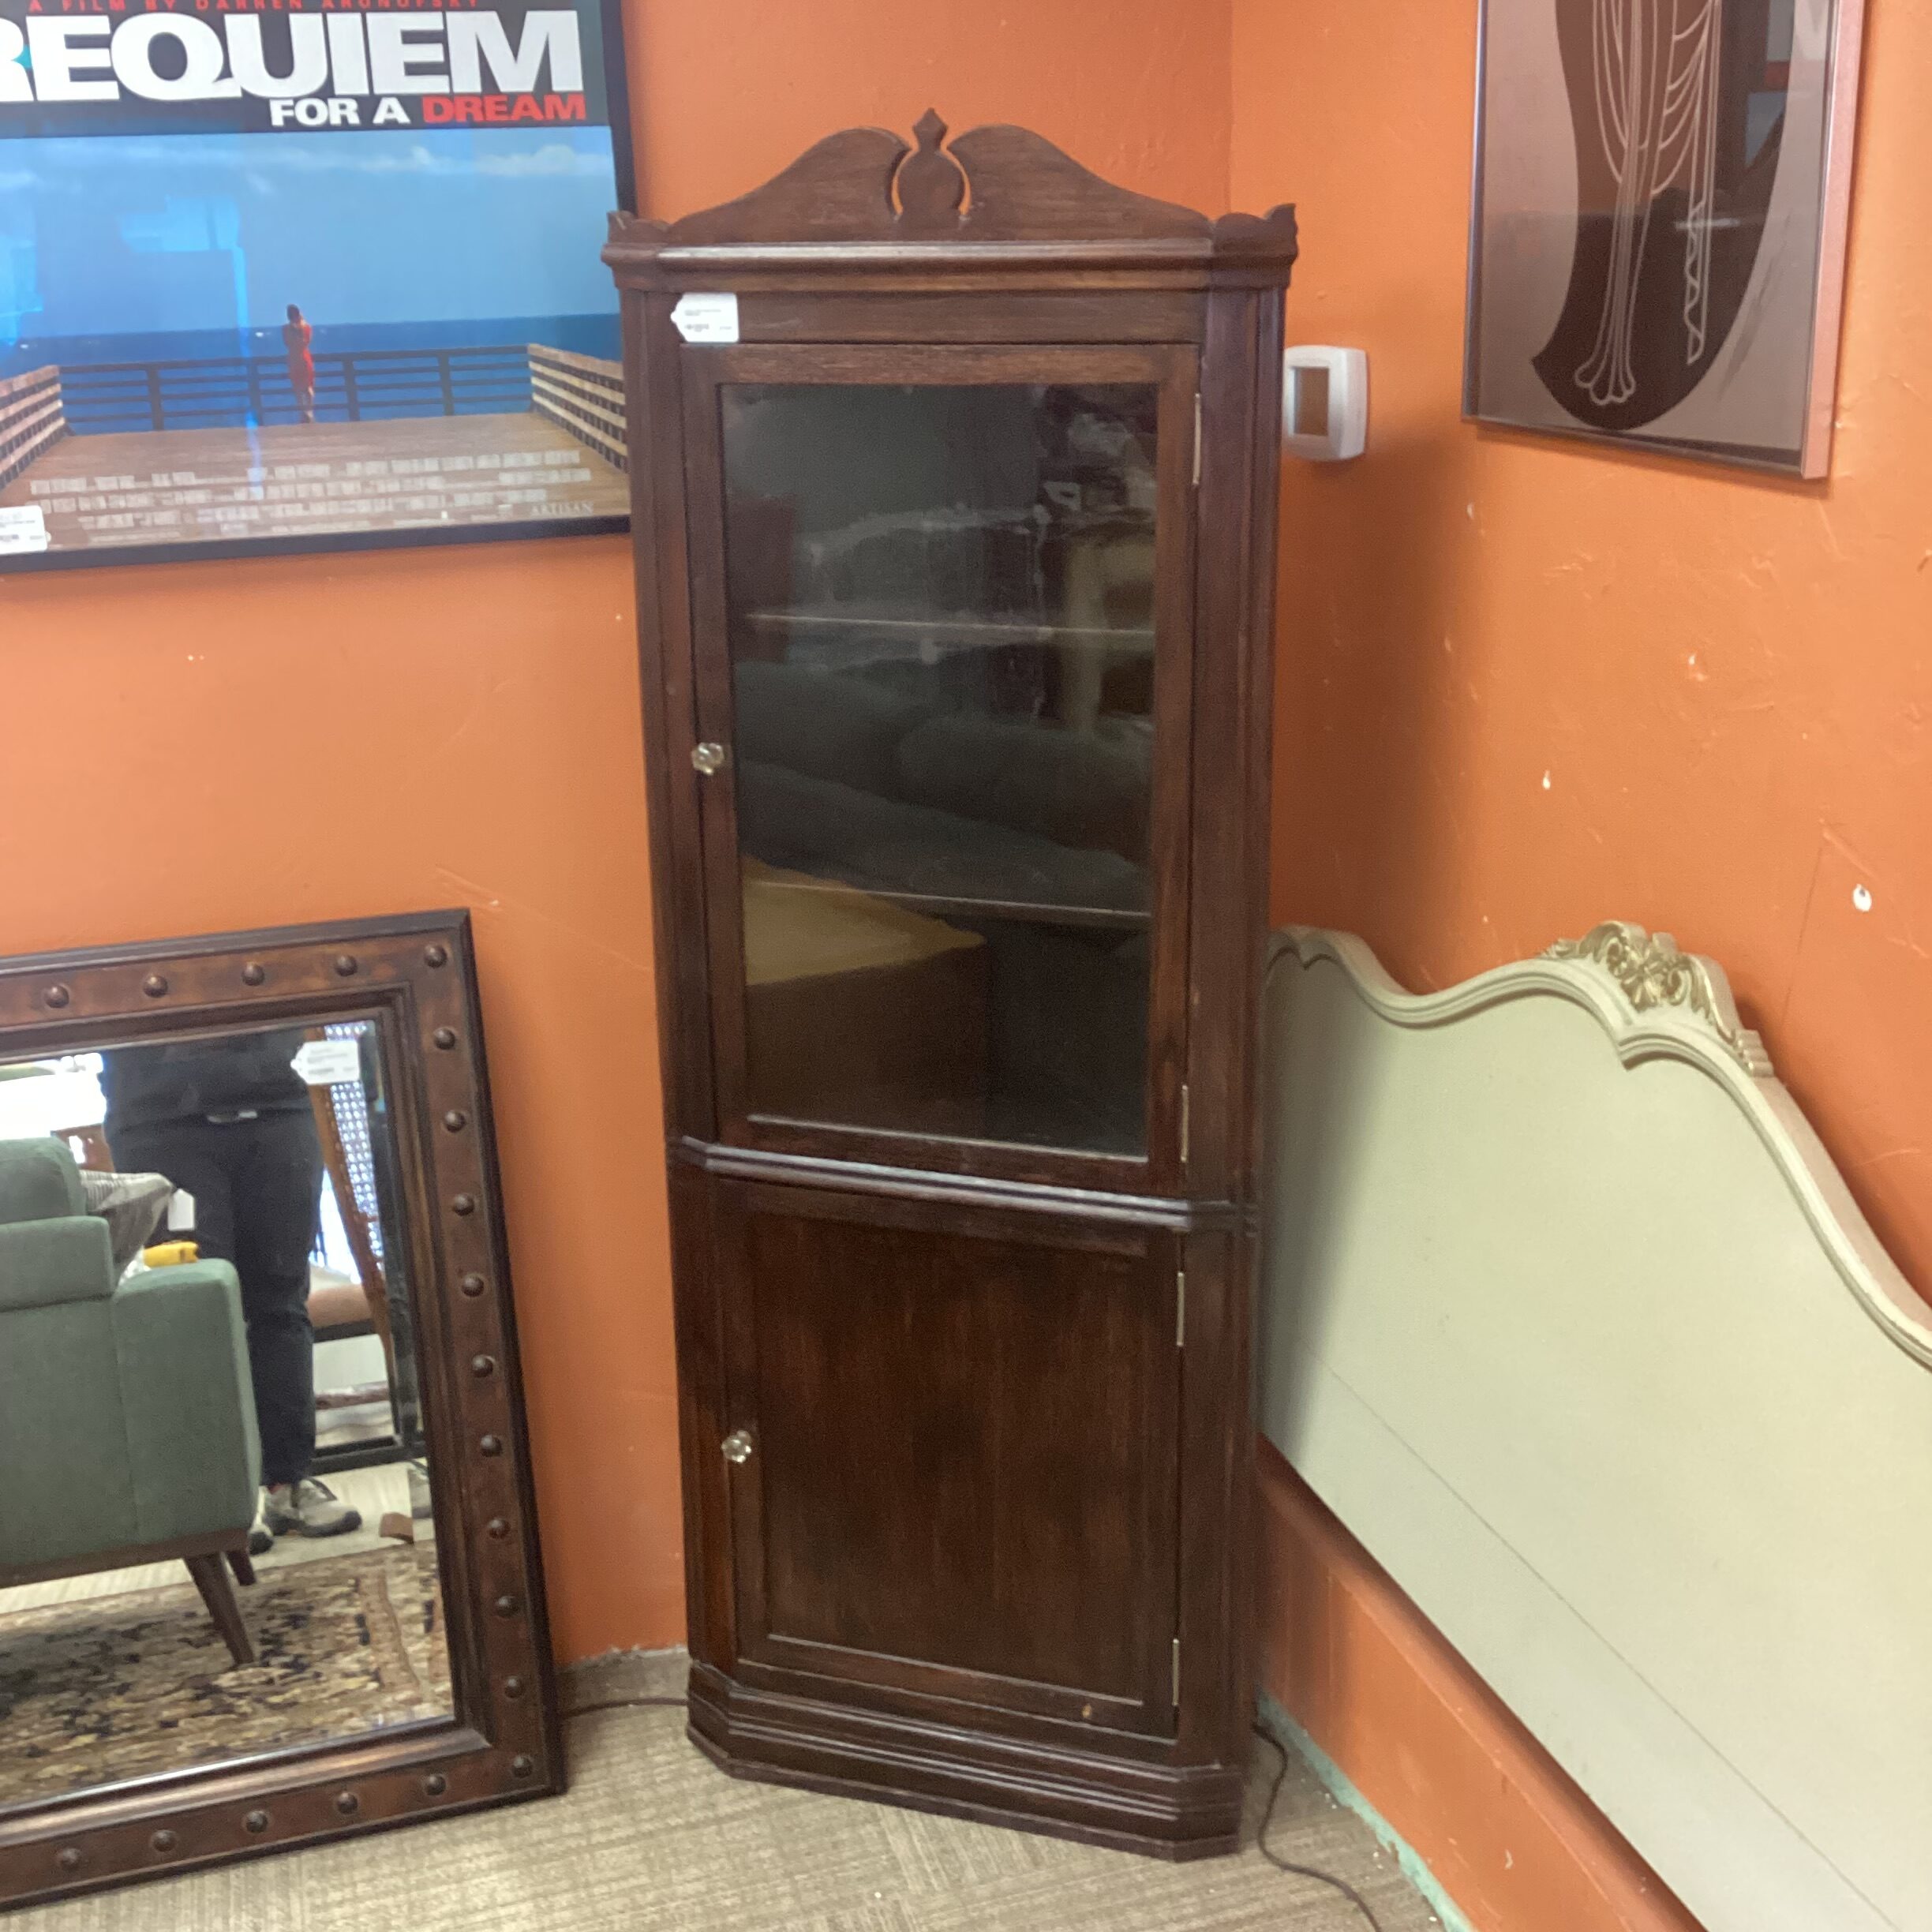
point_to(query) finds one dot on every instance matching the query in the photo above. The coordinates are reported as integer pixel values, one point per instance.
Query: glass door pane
(939, 606)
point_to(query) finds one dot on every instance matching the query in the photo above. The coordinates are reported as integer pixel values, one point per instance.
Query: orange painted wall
(199, 747)
(727, 91)
(195, 748)
(1526, 686)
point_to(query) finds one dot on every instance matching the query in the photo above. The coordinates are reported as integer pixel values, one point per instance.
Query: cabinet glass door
(943, 681)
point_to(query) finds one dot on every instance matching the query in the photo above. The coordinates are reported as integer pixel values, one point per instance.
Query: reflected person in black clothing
(228, 1120)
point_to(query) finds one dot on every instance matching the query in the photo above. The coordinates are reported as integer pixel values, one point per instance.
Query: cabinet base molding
(1168, 1812)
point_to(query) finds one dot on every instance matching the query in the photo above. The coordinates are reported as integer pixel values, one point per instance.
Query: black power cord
(626, 1703)
(1261, 1844)
(1288, 1865)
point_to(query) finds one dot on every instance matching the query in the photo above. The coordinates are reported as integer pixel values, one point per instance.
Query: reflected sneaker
(261, 1538)
(308, 1508)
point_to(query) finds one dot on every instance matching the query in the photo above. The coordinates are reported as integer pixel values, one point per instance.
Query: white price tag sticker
(328, 1063)
(25, 529)
(706, 318)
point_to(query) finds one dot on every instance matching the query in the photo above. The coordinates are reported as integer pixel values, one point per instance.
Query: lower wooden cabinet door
(953, 1447)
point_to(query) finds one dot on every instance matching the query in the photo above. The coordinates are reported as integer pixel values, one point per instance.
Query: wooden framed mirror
(268, 1561)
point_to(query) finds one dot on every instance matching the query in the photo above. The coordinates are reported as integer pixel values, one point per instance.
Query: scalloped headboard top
(1567, 1316)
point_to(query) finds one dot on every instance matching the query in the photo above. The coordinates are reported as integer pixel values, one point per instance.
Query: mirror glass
(216, 1536)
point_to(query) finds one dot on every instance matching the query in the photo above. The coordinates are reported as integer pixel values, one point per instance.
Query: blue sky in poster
(140, 236)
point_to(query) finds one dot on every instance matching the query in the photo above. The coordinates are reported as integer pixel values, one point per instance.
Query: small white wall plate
(1324, 403)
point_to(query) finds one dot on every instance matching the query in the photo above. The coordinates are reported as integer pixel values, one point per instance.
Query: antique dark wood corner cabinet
(954, 474)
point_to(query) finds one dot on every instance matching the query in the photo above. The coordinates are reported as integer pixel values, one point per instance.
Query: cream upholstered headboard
(1568, 1316)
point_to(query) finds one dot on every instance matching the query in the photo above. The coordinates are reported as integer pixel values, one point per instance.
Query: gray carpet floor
(651, 1836)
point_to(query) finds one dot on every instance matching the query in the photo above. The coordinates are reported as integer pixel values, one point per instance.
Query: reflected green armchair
(127, 1417)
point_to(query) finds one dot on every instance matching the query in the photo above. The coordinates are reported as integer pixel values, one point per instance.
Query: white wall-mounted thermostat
(1325, 403)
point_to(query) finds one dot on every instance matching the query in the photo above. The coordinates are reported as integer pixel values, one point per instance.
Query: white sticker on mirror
(328, 1063)
(24, 529)
(706, 318)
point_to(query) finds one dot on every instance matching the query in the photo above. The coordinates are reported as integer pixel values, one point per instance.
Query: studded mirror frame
(414, 975)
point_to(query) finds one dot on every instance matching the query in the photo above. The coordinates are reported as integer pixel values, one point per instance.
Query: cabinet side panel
(1217, 1477)
(1229, 782)
(1240, 405)
(709, 1600)
(1231, 1705)
(652, 382)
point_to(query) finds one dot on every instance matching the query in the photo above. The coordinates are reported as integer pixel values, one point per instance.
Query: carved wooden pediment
(993, 184)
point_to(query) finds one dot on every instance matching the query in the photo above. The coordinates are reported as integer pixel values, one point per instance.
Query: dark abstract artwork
(1658, 242)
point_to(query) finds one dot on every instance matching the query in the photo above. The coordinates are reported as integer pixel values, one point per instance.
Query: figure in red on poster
(297, 334)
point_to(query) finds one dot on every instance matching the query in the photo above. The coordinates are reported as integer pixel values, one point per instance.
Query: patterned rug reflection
(95, 1693)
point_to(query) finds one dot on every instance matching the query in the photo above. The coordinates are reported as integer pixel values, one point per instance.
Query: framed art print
(306, 274)
(1657, 252)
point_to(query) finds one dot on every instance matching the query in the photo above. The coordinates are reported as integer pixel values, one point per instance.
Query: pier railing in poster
(356, 386)
(584, 396)
(32, 419)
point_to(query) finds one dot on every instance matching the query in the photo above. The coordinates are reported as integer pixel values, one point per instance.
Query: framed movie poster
(1657, 254)
(306, 275)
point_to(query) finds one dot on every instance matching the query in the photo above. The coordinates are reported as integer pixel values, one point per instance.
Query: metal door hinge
(1186, 1123)
(1180, 1307)
(1177, 1673)
(1197, 438)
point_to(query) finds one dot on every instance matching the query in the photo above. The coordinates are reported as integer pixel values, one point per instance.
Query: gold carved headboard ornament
(1650, 973)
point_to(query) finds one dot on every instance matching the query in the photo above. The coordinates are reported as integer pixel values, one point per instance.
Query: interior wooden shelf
(957, 629)
(941, 905)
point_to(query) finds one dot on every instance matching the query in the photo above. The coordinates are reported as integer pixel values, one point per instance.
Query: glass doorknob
(708, 758)
(737, 1447)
